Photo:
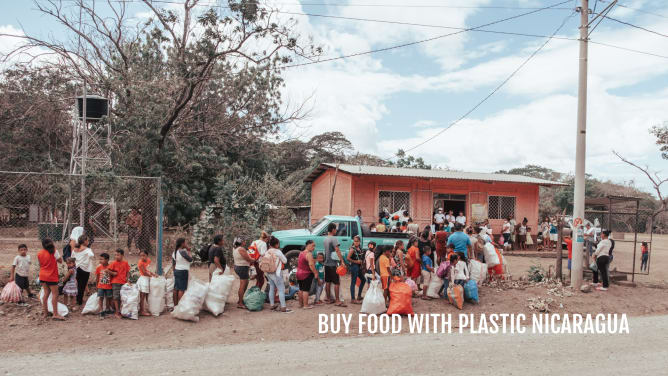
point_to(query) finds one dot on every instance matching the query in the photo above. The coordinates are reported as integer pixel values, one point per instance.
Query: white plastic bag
(62, 308)
(156, 295)
(130, 301)
(434, 286)
(477, 271)
(191, 302)
(218, 291)
(169, 293)
(374, 301)
(92, 304)
(491, 257)
(11, 293)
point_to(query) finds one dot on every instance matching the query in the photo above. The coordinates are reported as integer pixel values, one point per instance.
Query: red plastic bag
(341, 270)
(11, 293)
(456, 296)
(400, 299)
(496, 270)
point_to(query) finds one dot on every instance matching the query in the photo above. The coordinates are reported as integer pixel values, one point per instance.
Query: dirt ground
(26, 332)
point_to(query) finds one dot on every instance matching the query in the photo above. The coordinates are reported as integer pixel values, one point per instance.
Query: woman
(381, 227)
(522, 234)
(545, 230)
(424, 239)
(181, 259)
(413, 264)
(85, 261)
(356, 260)
(398, 258)
(441, 239)
(306, 273)
(48, 277)
(370, 262)
(242, 263)
(506, 230)
(276, 279)
(602, 258)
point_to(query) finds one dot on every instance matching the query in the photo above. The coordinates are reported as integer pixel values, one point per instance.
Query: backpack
(253, 252)
(443, 269)
(268, 262)
(203, 253)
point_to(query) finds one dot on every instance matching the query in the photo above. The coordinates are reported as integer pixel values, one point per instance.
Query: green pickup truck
(292, 241)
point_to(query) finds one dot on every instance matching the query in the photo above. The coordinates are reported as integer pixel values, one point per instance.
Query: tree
(408, 161)
(661, 134)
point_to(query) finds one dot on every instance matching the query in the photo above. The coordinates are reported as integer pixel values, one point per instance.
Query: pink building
(372, 189)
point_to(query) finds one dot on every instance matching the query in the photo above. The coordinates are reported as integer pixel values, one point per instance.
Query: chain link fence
(115, 211)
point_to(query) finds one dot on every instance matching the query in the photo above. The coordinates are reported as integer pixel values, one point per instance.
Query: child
(449, 251)
(461, 272)
(427, 269)
(384, 266)
(529, 243)
(320, 267)
(21, 270)
(70, 283)
(449, 274)
(118, 270)
(144, 281)
(645, 256)
(104, 284)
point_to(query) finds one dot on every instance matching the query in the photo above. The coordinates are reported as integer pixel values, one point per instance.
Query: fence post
(158, 233)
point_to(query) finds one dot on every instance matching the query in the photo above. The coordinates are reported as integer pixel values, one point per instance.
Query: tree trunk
(331, 195)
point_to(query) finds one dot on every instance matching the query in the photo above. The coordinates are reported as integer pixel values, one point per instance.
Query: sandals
(286, 310)
(275, 307)
(341, 304)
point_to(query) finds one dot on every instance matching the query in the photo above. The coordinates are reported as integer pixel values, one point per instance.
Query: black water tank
(96, 107)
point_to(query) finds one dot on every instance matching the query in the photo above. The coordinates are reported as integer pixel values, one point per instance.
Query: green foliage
(409, 161)
(536, 273)
(661, 134)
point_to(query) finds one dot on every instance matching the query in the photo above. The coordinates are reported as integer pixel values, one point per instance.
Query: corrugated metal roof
(433, 174)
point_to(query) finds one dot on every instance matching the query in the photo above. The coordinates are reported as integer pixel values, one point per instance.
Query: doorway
(447, 201)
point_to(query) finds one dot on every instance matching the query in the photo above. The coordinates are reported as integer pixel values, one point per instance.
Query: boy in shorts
(104, 284)
(118, 270)
(384, 266)
(21, 270)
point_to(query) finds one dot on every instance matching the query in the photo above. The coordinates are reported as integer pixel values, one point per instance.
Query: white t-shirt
(261, 246)
(603, 248)
(461, 219)
(461, 271)
(84, 260)
(591, 232)
(450, 218)
(439, 218)
(22, 265)
(506, 228)
(280, 260)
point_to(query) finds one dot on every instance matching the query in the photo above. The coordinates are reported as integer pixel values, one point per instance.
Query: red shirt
(141, 265)
(103, 281)
(122, 268)
(441, 240)
(48, 267)
(569, 245)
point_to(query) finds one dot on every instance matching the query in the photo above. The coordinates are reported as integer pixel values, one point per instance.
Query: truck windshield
(318, 226)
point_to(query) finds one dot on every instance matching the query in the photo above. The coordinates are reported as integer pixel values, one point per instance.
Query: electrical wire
(638, 10)
(496, 89)
(635, 26)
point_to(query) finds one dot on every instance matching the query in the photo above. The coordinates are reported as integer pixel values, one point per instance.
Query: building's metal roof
(428, 174)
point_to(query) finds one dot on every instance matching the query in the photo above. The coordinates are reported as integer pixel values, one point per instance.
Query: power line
(629, 49)
(638, 10)
(496, 89)
(636, 26)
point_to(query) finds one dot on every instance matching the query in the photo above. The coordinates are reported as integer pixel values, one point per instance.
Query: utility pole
(84, 156)
(580, 151)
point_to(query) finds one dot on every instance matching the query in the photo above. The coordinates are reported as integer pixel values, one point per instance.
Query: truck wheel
(293, 257)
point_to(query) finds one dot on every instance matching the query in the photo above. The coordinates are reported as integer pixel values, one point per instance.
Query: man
(461, 218)
(261, 246)
(134, 222)
(450, 216)
(331, 244)
(439, 217)
(602, 259)
(216, 256)
(461, 242)
(589, 238)
(358, 217)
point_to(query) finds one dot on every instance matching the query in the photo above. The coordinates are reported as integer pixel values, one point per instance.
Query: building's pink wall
(361, 192)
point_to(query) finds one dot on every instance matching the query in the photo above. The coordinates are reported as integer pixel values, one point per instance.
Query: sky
(401, 97)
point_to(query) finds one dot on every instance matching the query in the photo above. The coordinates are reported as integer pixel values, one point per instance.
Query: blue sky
(398, 98)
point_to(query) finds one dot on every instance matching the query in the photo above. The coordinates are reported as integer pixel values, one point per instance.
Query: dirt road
(643, 351)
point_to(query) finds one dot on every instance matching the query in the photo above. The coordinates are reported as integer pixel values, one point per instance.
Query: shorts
(242, 271)
(330, 275)
(554, 237)
(143, 284)
(426, 277)
(385, 281)
(522, 238)
(104, 293)
(180, 280)
(116, 290)
(305, 284)
(21, 281)
(49, 283)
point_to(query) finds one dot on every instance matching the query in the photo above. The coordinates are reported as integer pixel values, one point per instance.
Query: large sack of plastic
(92, 305)
(492, 255)
(477, 271)
(156, 295)
(471, 291)
(254, 299)
(130, 301)
(411, 284)
(496, 271)
(456, 296)
(219, 289)
(434, 286)
(400, 299)
(191, 302)
(62, 308)
(11, 293)
(374, 301)
(169, 293)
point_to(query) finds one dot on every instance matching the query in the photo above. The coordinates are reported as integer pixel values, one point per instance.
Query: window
(353, 229)
(501, 207)
(394, 201)
(341, 229)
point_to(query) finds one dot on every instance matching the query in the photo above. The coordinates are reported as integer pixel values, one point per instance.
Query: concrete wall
(361, 192)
